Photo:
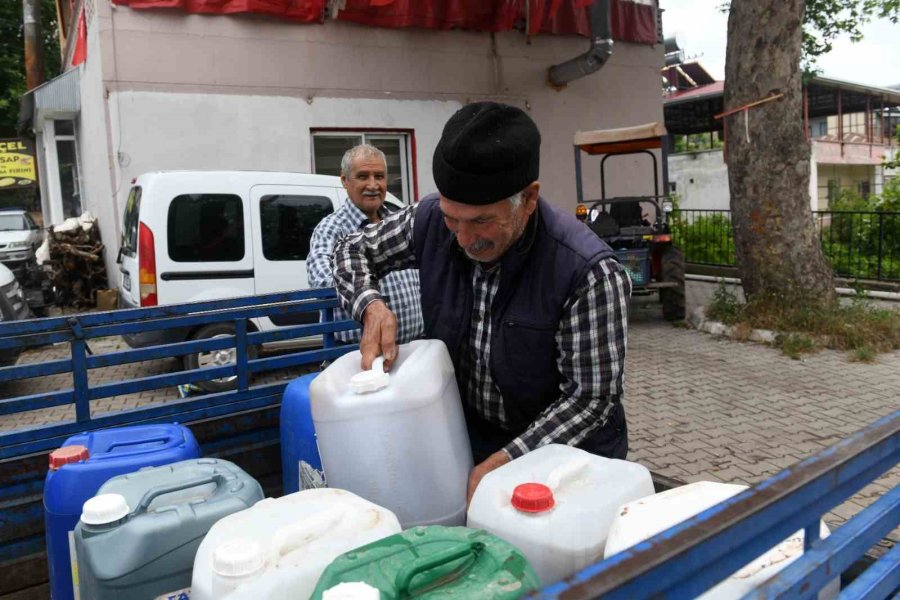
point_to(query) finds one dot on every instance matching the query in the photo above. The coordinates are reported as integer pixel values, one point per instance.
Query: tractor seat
(627, 214)
(605, 225)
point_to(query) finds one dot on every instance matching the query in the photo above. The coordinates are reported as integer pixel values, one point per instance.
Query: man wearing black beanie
(530, 303)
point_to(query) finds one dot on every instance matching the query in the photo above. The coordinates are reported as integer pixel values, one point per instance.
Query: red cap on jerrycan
(532, 498)
(68, 454)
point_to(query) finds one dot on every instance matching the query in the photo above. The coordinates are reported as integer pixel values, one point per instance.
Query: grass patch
(856, 327)
(863, 354)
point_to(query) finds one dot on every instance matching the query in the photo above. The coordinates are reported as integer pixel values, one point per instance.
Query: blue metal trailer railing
(242, 425)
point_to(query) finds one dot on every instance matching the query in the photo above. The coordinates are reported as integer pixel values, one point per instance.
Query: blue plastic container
(301, 467)
(77, 474)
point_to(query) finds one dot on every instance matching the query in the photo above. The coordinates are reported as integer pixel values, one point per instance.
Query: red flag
(79, 55)
(380, 2)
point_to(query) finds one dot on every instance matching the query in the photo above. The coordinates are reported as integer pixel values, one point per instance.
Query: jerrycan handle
(155, 492)
(157, 439)
(406, 574)
(564, 474)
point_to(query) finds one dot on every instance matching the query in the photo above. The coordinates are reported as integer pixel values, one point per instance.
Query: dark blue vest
(538, 275)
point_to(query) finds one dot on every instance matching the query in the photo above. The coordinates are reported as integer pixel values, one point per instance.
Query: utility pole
(34, 47)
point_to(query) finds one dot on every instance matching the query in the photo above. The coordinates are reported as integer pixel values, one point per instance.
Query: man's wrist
(362, 303)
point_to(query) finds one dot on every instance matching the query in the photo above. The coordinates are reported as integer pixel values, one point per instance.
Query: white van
(191, 236)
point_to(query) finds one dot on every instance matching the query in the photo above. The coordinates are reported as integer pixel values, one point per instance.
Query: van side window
(130, 229)
(206, 228)
(287, 223)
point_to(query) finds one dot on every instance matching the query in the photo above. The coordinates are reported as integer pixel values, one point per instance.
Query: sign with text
(18, 168)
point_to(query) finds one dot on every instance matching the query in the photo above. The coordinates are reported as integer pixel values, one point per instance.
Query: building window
(329, 147)
(67, 161)
(206, 228)
(287, 224)
(864, 188)
(834, 190)
(823, 128)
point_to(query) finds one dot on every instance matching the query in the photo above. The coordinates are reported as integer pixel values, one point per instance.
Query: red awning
(304, 11)
(632, 20)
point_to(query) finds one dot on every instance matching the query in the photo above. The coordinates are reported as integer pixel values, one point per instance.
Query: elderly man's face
(486, 232)
(367, 184)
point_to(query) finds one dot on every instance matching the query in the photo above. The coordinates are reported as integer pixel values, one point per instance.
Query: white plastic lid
(237, 557)
(105, 508)
(372, 380)
(353, 590)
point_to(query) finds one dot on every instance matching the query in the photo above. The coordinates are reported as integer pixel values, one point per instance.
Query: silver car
(19, 238)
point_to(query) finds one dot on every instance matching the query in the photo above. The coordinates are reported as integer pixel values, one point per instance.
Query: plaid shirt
(591, 336)
(401, 288)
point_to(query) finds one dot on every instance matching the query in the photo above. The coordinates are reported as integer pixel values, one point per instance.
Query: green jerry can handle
(153, 493)
(406, 574)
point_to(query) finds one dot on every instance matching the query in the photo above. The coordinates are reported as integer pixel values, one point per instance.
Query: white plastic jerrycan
(556, 505)
(644, 518)
(278, 548)
(397, 439)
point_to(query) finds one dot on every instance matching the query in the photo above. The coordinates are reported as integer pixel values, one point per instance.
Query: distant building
(850, 127)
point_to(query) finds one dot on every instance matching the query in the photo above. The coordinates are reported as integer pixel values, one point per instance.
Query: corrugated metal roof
(60, 94)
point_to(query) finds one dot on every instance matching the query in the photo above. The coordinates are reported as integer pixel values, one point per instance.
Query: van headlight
(17, 245)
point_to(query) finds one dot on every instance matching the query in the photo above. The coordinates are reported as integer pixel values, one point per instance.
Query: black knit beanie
(487, 153)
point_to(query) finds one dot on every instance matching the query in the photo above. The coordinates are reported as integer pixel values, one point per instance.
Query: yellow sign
(18, 168)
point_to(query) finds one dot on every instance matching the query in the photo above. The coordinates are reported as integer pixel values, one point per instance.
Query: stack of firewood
(76, 260)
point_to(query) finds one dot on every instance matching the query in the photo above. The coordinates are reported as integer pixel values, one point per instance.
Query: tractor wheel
(672, 298)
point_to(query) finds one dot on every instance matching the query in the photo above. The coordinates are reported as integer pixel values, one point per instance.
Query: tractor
(635, 227)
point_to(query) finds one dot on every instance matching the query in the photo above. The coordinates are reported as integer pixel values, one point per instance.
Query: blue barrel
(84, 463)
(301, 467)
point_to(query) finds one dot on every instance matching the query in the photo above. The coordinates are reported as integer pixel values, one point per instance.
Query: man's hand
(495, 460)
(379, 335)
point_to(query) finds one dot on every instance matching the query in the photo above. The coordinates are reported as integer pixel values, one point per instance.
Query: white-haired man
(364, 175)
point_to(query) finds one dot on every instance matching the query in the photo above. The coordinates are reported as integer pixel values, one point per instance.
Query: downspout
(596, 56)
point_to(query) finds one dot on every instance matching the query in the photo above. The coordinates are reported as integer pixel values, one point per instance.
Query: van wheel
(216, 358)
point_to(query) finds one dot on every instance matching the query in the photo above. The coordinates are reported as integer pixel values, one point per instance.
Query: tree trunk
(778, 250)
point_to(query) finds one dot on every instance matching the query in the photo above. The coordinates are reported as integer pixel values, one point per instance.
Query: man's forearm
(567, 421)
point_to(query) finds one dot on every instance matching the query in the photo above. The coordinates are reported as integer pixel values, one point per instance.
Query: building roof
(693, 110)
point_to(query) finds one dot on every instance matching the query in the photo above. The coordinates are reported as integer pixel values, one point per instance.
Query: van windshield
(130, 226)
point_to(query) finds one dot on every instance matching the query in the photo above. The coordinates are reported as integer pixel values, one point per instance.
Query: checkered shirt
(591, 337)
(400, 288)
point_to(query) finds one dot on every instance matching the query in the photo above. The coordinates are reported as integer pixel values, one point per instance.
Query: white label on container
(182, 594)
(311, 477)
(73, 562)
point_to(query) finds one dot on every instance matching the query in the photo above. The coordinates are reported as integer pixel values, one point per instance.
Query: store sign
(18, 168)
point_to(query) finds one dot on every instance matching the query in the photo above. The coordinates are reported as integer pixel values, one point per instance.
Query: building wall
(193, 91)
(701, 180)
(93, 151)
(847, 178)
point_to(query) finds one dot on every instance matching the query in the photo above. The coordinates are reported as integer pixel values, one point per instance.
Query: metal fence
(859, 245)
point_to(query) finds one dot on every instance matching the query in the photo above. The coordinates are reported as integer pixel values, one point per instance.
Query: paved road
(699, 408)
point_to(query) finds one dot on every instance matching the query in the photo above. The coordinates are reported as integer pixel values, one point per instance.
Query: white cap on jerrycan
(104, 509)
(236, 561)
(372, 380)
(352, 590)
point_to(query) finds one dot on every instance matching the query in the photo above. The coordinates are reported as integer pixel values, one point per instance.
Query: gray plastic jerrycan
(138, 536)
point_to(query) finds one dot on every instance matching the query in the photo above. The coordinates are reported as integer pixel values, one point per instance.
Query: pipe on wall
(598, 53)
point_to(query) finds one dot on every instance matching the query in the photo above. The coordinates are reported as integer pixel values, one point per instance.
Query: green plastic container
(435, 562)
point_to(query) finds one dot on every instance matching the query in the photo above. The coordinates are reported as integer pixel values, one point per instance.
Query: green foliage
(698, 142)
(12, 57)
(725, 306)
(706, 239)
(806, 325)
(854, 241)
(827, 20)
(794, 345)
